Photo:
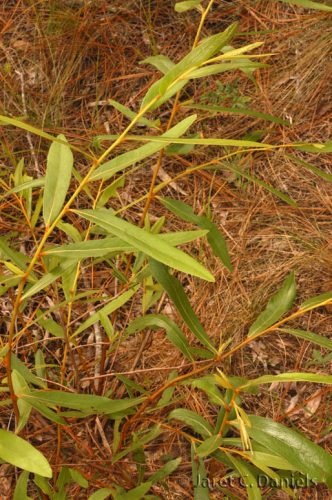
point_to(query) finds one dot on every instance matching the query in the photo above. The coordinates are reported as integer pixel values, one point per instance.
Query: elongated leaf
(208, 446)
(198, 55)
(26, 185)
(17, 258)
(248, 477)
(50, 326)
(102, 247)
(58, 173)
(136, 493)
(215, 69)
(173, 332)
(24, 371)
(148, 243)
(186, 5)
(36, 131)
(101, 494)
(317, 301)
(21, 488)
(206, 49)
(176, 293)
(311, 337)
(46, 280)
(289, 377)
(238, 111)
(24, 408)
(84, 402)
(70, 231)
(51, 415)
(112, 306)
(125, 160)
(193, 420)
(131, 114)
(161, 62)
(214, 237)
(208, 384)
(262, 183)
(277, 306)
(18, 452)
(199, 475)
(208, 141)
(308, 4)
(165, 471)
(302, 453)
(315, 147)
(139, 442)
(274, 461)
(312, 168)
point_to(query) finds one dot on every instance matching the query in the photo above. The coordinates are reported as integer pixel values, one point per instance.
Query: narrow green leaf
(200, 54)
(109, 245)
(269, 460)
(50, 325)
(208, 446)
(315, 147)
(176, 293)
(277, 306)
(21, 488)
(112, 306)
(311, 337)
(139, 442)
(26, 185)
(208, 384)
(45, 411)
(216, 69)
(58, 173)
(148, 243)
(308, 4)
(316, 378)
(101, 494)
(19, 384)
(197, 56)
(7, 253)
(131, 114)
(36, 131)
(312, 168)
(46, 280)
(78, 478)
(238, 111)
(319, 300)
(136, 493)
(262, 183)
(125, 160)
(70, 231)
(193, 420)
(165, 471)
(111, 191)
(214, 237)
(161, 62)
(84, 402)
(199, 475)
(43, 484)
(22, 454)
(208, 141)
(306, 456)
(248, 477)
(186, 5)
(24, 371)
(173, 332)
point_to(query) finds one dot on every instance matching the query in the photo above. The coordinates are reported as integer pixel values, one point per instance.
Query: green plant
(141, 257)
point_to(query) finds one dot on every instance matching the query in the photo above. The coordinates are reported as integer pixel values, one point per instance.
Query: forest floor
(60, 62)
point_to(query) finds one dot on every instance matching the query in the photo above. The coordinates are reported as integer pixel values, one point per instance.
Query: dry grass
(58, 59)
